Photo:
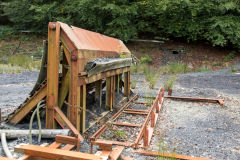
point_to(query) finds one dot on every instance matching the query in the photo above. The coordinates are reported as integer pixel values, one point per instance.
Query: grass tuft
(174, 68)
(151, 76)
(168, 83)
(18, 63)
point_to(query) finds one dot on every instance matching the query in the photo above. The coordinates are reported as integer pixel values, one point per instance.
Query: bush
(230, 56)
(215, 21)
(146, 59)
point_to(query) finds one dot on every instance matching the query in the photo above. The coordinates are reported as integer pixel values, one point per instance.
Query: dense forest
(214, 21)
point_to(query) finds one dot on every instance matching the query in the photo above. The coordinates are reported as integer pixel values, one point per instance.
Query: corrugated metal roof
(88, 40)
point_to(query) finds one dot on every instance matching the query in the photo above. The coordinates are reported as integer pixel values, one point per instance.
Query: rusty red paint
(88, 40)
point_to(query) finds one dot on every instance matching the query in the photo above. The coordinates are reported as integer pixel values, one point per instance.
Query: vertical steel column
(52, 72)
(98, 92)
(127, 84)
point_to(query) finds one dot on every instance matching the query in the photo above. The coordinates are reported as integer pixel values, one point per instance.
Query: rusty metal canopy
(88, 40)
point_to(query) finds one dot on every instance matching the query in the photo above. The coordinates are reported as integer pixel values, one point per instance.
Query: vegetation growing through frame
(214, 21)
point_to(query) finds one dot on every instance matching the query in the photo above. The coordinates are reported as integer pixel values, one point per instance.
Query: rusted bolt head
(73, 57)
(52, 26)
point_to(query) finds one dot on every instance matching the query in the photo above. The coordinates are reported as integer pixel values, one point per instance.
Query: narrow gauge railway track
(146, 129)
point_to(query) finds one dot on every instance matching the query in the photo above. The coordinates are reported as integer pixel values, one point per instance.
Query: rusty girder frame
(146, 131)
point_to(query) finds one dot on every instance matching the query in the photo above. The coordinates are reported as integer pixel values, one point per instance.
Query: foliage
(230, 56)
(203, 68)
(17, 63)
(151, 77)
(168, 83)
(174, 68)
(6, 31)
(133, 84)
(146, 59)
(234, 69)
(214, 21)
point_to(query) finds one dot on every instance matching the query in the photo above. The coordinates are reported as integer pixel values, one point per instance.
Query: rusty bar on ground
(103, 128)
(220, 101)
(116, 152)
(126, 124)
(169, 155)
(131, 112)
(144, 132)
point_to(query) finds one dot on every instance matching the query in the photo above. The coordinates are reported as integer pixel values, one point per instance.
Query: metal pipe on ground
(5, 146)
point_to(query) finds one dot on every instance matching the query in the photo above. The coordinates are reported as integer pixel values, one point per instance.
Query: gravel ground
(196, 129)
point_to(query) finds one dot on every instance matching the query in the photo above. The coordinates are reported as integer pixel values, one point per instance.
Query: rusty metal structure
(76, 62)
(69, 49)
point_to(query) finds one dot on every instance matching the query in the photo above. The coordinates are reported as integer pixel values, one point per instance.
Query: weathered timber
(49, 153)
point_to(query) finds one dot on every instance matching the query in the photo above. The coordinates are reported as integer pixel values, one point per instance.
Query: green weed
(146, 59)
(151, 76)
(162, 148)
(19, 63)
(217, 64)
(168, 83)
(134, 68)
(133, 84)
(203, 68)
(233, 69)
(9, 69)
(174, 68)
(230, 56)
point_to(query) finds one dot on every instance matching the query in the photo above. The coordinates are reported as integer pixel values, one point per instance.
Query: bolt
(52, 26)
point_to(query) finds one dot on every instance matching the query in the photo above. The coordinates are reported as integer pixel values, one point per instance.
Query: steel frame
(147, 128)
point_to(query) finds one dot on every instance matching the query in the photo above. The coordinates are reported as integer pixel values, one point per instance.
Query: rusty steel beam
(29, 105)
(169, 155)
(144, 132)
(59, 114)
(103, 128)
(211, 100)
(66, 140)
(114, 155)
(126, 124)
(132, 112)
(52, 72)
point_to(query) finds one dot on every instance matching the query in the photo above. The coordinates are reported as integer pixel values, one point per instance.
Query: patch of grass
(9, 69)
(134, 68)
(203, 68)
(146, 59)
(19, 63)
(168, 83)
(217, 64)
(133, 84)
(163, 148)
(233, 69)
(174, 68)
(151, 76)
(230, 56)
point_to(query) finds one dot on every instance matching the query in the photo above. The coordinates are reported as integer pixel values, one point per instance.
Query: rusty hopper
(87, 61)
